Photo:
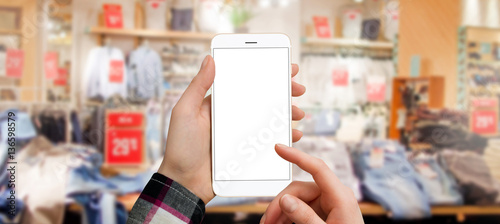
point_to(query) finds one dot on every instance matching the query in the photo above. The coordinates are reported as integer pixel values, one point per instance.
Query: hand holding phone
(187, 157)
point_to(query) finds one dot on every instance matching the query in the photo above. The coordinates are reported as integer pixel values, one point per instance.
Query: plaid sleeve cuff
(166, 201)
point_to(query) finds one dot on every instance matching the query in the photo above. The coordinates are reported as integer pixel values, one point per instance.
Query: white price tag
(426, 170)
(376, 158)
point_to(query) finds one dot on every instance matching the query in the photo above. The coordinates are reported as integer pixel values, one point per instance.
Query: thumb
(298, 211)
(195, 92)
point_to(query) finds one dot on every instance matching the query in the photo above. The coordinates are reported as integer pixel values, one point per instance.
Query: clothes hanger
(145, 43)
(107, 42)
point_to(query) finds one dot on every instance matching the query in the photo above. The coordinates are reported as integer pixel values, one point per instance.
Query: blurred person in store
(181, 188)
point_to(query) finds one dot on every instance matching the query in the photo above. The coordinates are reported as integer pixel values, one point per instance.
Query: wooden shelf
(10, 32)
(177, 74)
(181, 56)
(158, 34)
(347, 43)
(260, 208)
(367, 208)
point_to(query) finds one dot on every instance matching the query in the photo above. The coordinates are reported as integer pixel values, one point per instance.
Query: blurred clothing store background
(402, 102)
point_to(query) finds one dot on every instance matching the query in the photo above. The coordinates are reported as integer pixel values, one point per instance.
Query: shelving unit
(367, 208)
(157, 34)
(10, 32)
(183, 74)
(179, 56)
(347, 43)
(436, 98)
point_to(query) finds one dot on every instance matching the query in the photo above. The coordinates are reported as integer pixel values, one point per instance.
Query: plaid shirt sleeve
(166, 201)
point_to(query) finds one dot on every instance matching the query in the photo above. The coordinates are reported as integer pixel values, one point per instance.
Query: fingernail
(205, 61)
(263, 219)
(289, 204)
(282, 146)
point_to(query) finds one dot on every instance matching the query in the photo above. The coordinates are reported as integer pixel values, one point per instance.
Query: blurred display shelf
(10, 32)
(346, 43)
(181, 56)
(179, 74)
(367, 208)
(484, 63)
(60, 42)
(174, 91)
(159, 34)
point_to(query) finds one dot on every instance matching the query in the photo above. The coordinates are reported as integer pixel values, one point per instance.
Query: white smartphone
(251, 112)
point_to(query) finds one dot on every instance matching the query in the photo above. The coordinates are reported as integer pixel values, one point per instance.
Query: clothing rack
(31, 107)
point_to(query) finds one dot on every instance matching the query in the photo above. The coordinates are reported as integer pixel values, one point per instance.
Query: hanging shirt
(156, 14)
(3, 59)
(352, 19)
(391, 20)
(105, 73)
(145, 67)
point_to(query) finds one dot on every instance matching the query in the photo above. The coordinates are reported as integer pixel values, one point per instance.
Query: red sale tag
(62, 77)
(322, 26)
(352, 13)
(116, 71)
(155, 3)
(14, 63)
(50, 64)
(340, 77)
(125, 119)
(484, 122)
(113, 15)
(375, 88)
(124, 146)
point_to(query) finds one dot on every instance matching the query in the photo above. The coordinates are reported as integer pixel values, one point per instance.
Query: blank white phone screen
(251, 106)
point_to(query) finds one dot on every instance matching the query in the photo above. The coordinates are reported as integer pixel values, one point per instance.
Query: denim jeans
(130, 183)
(101, 208)
(395, 184)
(335, 155)
(24, 130)
(441, 189)
(5, 217)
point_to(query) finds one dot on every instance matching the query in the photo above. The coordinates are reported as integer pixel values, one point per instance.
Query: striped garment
(166, 201)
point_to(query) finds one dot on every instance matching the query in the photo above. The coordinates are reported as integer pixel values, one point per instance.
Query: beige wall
(429, 28)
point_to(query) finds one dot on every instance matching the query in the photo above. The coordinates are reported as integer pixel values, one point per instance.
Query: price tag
(352, 14)
(322, 27)
(3, 61)
(124, 147)
(50, 64)
(376, 158)
(426, 171)
(375, 88)
(62, 77)
(340, 77)
(116, 71)
(113, 16)
(484, 122)
(390, 148)
(14, 63)
(155, 3)
(125, 119)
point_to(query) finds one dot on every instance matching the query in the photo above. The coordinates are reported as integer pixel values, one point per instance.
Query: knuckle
(177, 110)
(294, 184)
(308, 219)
